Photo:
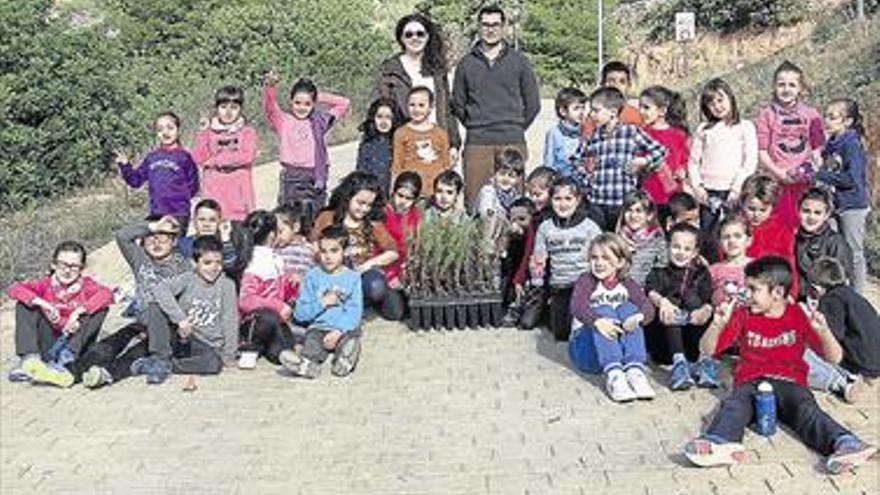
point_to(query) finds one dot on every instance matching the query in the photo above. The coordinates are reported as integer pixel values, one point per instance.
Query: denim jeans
(823, 375)
(627, 349)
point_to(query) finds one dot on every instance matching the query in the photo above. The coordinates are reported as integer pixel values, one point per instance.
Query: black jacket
(688, 288)
(810, 247)
(854, 321)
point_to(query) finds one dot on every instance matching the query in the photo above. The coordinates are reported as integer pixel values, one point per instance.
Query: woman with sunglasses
(421, 62)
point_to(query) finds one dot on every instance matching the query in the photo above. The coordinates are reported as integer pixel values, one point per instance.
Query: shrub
(724, 17)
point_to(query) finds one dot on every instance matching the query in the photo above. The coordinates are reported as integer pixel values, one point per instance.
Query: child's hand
(723, 313)
(72, 324)
(185, 328)
(121, 157)
(331, 339)
(701, 316)
(608, 328)
(632, 323)
(701, 195)
(817, 319)
(296, 278)
(271, 78)
(49, 309)
(225, 231)
(164, 224)
(519, 290)
(204, 122)
(636, 166)
(453, 157)
(330, 298)
(537, 265)
(286, 313)
(667, 311)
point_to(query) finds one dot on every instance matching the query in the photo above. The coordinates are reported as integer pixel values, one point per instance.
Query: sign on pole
(685, 26)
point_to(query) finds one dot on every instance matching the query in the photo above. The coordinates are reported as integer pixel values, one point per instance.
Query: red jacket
(399, 225)
(85, 292)
(264, 283)
(661, 184)
(774, 237)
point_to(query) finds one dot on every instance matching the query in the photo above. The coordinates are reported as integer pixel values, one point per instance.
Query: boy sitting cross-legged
(330, 304)
(772, 335)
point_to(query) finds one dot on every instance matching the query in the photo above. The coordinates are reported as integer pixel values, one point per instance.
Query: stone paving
(489, 411)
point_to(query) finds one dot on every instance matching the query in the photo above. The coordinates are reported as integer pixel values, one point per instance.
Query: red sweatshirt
(660, 184)
(774, 237)
(399, 225)
(264, 283)
(770, 347)
(85, 292)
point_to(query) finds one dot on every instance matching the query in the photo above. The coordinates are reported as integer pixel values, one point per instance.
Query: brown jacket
(424, 152)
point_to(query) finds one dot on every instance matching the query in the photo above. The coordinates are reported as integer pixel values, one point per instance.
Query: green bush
(724, 16)
(71, 91)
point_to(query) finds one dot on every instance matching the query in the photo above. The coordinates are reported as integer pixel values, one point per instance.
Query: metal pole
(599, 7)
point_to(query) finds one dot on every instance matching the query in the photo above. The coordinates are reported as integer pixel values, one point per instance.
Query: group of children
(635, 238)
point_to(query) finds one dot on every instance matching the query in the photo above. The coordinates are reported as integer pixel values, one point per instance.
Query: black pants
(795, 408)
(390, 303)
(313, 347)
(115, 353)
(533, 305)
(194, 357)
(34, 334)
(684, 339)
(158, 330)
(560, 312)
(605, 216)
(264, 332)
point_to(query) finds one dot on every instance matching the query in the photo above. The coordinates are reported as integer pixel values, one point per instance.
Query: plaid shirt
(611, 179)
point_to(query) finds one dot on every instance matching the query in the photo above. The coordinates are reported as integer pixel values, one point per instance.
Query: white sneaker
(618, 387)
(248, 360)
(639, 383)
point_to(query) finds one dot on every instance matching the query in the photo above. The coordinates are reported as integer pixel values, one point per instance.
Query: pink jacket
(226, 155)
(320, 121)
(264, 284)
(85, 292)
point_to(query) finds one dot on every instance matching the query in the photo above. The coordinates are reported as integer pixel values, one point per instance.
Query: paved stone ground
(490, 411)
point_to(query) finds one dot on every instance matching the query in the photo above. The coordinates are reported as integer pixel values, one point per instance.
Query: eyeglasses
(491, 25)
(416, 34)
(72, 267)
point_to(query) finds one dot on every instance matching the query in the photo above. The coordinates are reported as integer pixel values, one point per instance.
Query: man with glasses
(495, 95)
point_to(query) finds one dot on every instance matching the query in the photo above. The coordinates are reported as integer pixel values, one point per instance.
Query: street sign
(685, 26)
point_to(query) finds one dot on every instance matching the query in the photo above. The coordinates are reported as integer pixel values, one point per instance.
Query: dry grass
(89, 216)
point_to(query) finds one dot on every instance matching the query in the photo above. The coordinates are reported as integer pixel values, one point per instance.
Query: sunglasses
(414, 34)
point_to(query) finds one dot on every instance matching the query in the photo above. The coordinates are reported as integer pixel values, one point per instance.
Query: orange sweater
(424, 152)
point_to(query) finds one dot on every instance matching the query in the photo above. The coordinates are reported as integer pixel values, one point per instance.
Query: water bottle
(765, 410)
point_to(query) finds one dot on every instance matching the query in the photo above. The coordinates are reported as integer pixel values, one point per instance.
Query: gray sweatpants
(852, 226)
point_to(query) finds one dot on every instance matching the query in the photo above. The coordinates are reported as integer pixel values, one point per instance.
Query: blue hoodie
(848, 176)
(345, 316)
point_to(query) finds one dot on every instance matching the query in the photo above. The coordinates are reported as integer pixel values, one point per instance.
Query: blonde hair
(617, 246)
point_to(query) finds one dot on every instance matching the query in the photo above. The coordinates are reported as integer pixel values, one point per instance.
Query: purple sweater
(172, 176)
(582, 304)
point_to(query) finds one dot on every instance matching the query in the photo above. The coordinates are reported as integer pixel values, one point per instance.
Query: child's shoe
(618, 387)
(41, 372)
(346, 356)
(639, 383)
(706, 373)
(247, 360)
(96, 376)
(19, 374)
(849, 452)
(141, 366)
(161, 370)
(706, 453)
(680, 376)
(298, 365)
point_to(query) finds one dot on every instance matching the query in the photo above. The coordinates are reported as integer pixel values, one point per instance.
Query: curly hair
(350, 185)
(368, 126)
(434, 59)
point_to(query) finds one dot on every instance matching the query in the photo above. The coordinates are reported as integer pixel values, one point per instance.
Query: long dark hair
(434, 58)
(259, 224)
(350, 185)
(673, 104)
(368, 126)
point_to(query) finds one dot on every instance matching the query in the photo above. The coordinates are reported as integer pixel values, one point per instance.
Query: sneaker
(849, 452)
(511, 317)
(639, 383)
(680, 376)
(346, 356)
(65, 356)
(706, 373)
(298, 365)
(618, 388)
(49, 374)
(706, 453)
(248, 360)
(141, 366)
(160, 371)
(96, 376)
(18, 374)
